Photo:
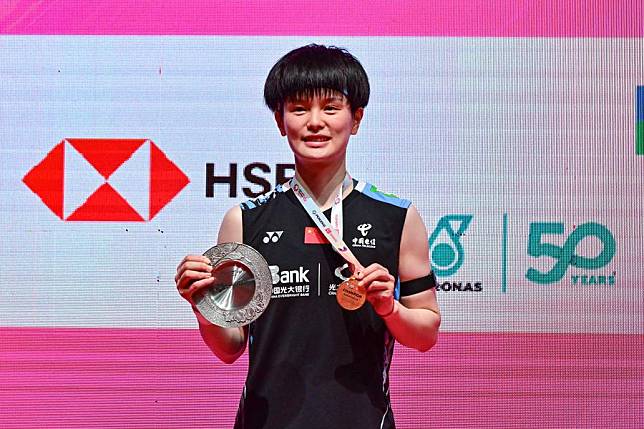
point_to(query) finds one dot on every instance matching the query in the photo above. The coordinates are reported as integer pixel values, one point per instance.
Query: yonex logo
(106, 180)
(364, 229)
(272, 236)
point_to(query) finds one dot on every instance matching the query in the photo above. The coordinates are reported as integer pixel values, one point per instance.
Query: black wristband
(412, 287)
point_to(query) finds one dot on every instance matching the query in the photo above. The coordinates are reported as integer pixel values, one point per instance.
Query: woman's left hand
(380, 288)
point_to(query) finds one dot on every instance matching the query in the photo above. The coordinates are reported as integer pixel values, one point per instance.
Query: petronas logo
(445, 249)
(639, 125)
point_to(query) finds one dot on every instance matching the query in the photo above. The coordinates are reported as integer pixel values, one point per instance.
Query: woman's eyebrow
(333, 98)
(325, 99)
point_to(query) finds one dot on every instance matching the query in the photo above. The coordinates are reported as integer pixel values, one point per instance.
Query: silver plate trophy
(242, 287)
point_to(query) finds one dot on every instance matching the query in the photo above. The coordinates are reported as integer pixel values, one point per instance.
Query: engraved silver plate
(242, 288)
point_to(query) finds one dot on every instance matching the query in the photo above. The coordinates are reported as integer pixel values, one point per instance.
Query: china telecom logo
(106, 180)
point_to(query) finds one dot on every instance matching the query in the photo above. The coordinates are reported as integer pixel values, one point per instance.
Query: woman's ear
(357, 117)
(279, 120)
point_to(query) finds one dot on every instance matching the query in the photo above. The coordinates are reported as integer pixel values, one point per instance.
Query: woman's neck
(321, 181)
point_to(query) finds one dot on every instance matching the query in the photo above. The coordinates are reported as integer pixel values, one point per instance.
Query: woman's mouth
(316, 138)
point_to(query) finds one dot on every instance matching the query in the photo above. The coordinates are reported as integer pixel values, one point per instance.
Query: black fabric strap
(412, 287)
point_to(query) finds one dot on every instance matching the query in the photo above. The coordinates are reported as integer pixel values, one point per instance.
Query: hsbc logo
(254, 174)
(106, 180)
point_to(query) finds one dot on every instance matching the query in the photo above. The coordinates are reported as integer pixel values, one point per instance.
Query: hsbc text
(255, 174)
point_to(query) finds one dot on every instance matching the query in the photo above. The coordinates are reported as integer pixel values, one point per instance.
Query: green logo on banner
(445, 247)
(639, 122)
(566, 255)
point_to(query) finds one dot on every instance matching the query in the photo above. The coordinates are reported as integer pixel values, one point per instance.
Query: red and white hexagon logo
(106, 180)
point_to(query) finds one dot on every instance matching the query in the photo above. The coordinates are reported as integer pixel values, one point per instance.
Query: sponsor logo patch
(290, 283)
(364, 241)
(272, 236)
(106, 180)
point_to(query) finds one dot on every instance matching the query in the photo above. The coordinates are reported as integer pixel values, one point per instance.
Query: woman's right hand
(193, 273)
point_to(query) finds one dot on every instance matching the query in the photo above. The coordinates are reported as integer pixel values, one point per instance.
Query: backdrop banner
(521, 150)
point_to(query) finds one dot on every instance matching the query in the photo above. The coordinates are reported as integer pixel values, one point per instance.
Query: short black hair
(314, 70)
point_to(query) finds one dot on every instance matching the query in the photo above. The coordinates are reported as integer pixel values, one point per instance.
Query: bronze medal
(350, 295)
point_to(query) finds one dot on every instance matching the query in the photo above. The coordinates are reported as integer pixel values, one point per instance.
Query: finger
(370, 269)
(187, 278)
(193, 258)
(193, 266)
(190, 274)
(382, 296)
(376, 275)
(378, 286)
(194, 274)
(196, 266)
(201, 284)
(196, 286)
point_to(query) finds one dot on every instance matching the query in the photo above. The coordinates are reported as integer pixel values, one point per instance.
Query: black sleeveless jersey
(313, 365)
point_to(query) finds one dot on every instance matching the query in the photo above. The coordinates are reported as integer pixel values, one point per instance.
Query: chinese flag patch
(313, 235)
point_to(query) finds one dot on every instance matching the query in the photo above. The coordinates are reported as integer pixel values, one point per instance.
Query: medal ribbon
(331, 230)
